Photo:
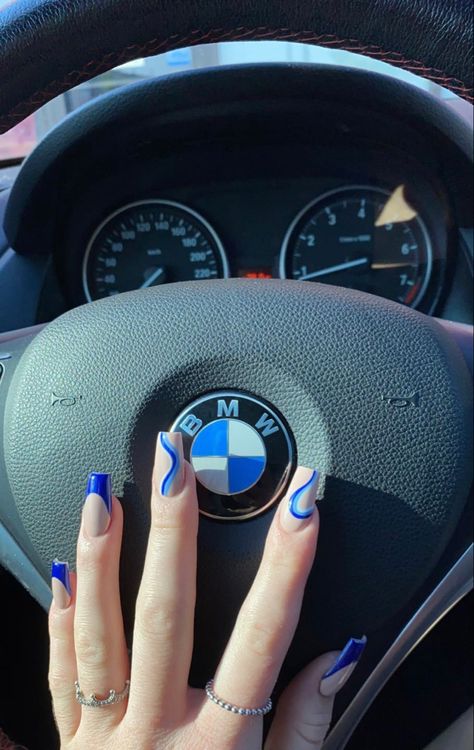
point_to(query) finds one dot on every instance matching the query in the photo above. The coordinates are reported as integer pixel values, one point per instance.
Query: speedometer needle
(153, 277)
(333, 269)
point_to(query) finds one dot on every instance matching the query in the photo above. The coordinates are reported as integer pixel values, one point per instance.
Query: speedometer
(147, 243)
(364, 238)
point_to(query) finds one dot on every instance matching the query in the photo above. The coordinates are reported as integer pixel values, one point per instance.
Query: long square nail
(60, 584)
(169, 463)
(97, 508)
(300, 499)
(341, 670)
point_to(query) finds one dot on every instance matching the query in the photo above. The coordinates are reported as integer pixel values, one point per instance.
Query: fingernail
(300, 499)
(60, 584)
(97, 509)
(169, 463)
(341, 670)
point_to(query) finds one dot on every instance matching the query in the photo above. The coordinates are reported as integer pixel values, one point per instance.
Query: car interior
(295, 230)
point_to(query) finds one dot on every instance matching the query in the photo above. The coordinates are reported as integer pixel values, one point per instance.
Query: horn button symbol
(241, 451)
(228, 456)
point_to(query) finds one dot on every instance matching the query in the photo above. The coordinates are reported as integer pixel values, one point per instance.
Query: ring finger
(101, 653)
(269, 615)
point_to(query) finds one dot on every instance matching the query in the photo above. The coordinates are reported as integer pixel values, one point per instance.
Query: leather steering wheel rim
(432, 38)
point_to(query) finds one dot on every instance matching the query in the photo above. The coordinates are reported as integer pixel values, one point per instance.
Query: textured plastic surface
(95, 386)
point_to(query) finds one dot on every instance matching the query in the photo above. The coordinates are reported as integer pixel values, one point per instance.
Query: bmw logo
(241, 451)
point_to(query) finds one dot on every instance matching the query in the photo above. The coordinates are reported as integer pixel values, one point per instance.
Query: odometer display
(148, 243)
(362, 238)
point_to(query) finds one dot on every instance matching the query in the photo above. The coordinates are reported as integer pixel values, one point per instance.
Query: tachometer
(148, 243)
(363, 238)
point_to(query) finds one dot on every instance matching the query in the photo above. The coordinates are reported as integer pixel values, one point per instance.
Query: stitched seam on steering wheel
(153, 46)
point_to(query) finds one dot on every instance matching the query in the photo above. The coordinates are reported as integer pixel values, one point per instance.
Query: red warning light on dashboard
(255, 273)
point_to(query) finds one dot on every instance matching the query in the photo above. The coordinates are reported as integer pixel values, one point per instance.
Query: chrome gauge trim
(143, 202)
(452, 588)
(343, 189)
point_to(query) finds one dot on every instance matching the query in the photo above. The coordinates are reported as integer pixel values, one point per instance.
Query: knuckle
(58, 684)
(262, 640)
(91, 554)
(57, 630)
(168, 515)
(294, 552)
(287, 572)
(157, 619)
(296, 547)
(91, 651)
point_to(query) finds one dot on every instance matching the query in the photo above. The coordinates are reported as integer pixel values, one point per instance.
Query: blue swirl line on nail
(350, 654)
(296, 497)
(100, 484)
(169, 478)
(60, 570)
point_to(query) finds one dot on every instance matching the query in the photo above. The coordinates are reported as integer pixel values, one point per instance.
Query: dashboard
(223, 181)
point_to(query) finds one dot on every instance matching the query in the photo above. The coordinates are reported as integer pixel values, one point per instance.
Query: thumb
(305, 708)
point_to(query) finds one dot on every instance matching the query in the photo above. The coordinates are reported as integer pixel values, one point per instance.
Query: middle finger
(164, 618)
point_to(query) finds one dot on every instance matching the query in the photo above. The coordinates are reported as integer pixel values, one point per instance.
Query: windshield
(19, 141)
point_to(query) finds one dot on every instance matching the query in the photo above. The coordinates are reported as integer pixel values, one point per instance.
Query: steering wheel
(376, 395)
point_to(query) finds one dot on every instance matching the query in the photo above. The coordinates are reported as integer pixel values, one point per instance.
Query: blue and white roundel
(228, 456)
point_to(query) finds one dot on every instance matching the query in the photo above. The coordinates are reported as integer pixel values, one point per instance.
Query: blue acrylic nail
(350, 654)
(100, 484)
(170, 476)
(60, 570)
(301, 502)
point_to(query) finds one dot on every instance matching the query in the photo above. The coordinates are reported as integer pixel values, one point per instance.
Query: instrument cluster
(363, 237)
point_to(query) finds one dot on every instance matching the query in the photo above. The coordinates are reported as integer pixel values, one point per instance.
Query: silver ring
(93, 702)
(261, 711)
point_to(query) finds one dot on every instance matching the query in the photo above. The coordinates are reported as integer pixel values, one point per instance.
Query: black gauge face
(149, 243)
(362, 238)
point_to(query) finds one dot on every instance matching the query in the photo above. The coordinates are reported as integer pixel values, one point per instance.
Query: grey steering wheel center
(374, 396)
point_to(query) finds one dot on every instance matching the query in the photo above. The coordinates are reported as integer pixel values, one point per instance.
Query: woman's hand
(161, 712)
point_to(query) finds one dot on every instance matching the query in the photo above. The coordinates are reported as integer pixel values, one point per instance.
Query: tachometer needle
(387, 266)
(334, 269)
(153, 277)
